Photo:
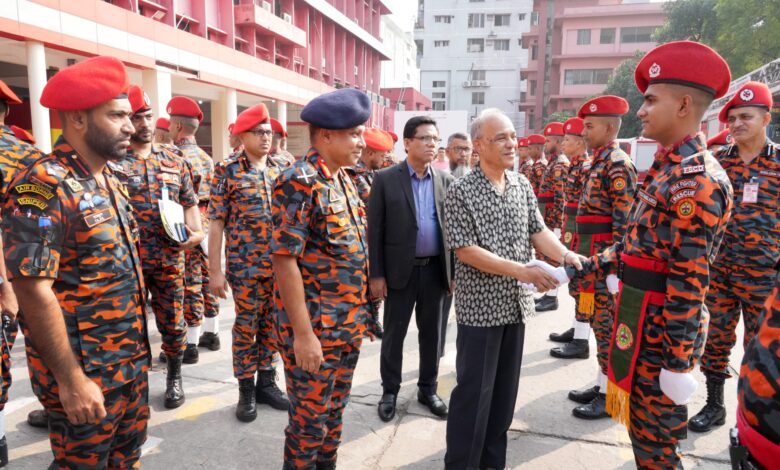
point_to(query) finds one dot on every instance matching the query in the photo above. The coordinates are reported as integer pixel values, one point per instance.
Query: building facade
(575, 45)
(470, 54)
(227, 54)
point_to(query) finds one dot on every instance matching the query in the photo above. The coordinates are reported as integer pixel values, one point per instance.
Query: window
(441, 43)
(534, 52)
(439, 106)
(521, 16)
(419, 43)
(587, 76)
(607, 36)
(442, 19)
(439, 96)
(475, 45)
(534, 18)
(476, 20)
(532, 87)
(478, 97)
(439, 84)
(501, 45)
(637, 34)
(583, 37)
(477, 74)
(501, 20)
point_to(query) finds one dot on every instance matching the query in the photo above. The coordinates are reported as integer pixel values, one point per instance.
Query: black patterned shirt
(477, 214)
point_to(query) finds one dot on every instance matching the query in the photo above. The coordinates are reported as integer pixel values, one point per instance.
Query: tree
(749, 33)
(559, 116)
(621, 83)
(694, 20)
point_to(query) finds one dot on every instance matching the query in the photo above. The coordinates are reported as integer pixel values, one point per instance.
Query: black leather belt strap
(423, 261)
(641, 278)
(594, 227)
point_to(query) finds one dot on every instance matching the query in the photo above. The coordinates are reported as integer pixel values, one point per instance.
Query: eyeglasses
(427, 139)
(462, 149)
(261, 132)
(503, 139)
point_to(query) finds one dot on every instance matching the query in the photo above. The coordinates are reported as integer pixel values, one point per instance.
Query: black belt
(642, 278)
(203, 203)
(423, 261)
(572, 211)
(590, 228)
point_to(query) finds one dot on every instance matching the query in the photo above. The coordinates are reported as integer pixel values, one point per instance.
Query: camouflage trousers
(253, 329)
(317, 403)
(7, 343)
(164, 279)
(115, 442)
(198, 300)
(730, 294)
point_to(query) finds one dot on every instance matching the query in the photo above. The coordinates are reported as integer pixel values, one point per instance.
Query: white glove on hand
(557, 233)
(679, 387)
(204, 244)
(613, 284)
(558, 273)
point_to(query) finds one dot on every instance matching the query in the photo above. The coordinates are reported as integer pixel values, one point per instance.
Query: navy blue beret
(341, 109)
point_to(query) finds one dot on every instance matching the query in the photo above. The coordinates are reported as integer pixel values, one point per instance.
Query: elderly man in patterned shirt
(492, 222)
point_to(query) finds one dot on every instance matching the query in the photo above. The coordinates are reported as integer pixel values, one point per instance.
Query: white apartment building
(470, 54)
(401, 70)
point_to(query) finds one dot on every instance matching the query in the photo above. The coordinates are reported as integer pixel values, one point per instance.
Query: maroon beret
(607, 105)
(86, 84)
(751, 94)
(249, 118)
(183, 106)
(684, 63)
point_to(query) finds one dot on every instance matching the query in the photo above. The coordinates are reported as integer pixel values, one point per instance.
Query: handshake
(538, 276)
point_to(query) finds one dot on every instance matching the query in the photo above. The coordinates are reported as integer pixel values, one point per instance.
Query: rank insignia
(74, 185)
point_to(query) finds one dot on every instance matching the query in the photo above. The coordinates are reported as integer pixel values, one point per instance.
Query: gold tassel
(587, 304)
(619, 404)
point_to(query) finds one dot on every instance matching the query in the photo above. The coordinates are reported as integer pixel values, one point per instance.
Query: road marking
(192, 410)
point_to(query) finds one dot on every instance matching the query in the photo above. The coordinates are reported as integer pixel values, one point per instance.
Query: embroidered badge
(619, 184)
(74, 185)
(646, 198)
(567, 237)
(593, 107)
(693, 169)
(623, 337)
(682, 194)
(98, 217)
(34, 188)
(685, 208)
(32, 201)
(654, 71)
(684, 184)
(746, 94)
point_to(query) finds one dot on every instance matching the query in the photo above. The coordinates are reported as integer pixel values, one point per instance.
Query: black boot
(564, 337)
(191, 354)
(714, 413)
(38, 419)
(596, 409)
(246, 409)
(547, 303)
(574, 349)
(210, 341)
(379, 333)
(267, 392)
(584, 396)
(174, 391)
(4, 452)
(326, 465)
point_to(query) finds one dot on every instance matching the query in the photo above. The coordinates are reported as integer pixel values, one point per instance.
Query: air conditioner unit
(287, 18)
(266, 6)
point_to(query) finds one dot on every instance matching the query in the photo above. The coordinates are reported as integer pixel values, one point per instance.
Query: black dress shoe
(584, 396)
(3, 452)
(596, 409)
(210, 341)
(38, 419)
(433, 402)
(547, 304)
(564, 337)
(191, 354)
(163, 358)
(574, 349)
(386, 408)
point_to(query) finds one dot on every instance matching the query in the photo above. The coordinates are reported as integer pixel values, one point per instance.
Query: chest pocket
(97, 237)
(337, 225)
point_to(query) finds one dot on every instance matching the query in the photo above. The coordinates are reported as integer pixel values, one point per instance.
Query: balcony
(268, 23)
(475, 84)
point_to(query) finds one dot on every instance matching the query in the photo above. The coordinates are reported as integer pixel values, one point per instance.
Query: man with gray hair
(492, 223)
(459, 150)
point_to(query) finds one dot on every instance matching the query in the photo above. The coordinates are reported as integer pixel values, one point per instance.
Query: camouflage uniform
(743, 274)
(601, 217)
(525, 168)
(163, 264)
(537, 174)
(198, 301)
(579, 168)
(60, 224)
(241, 198)
(758, 412)
(318, 218)
(551, 191)
(362, 178)
(15, 156)
(673, 234)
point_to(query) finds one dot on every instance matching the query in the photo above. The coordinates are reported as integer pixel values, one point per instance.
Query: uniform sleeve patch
(690, 170)
(683, 184)
(35, 189)
(682, 194)
(686, 207)
(647, 199)
(619, 184)
(32, 201)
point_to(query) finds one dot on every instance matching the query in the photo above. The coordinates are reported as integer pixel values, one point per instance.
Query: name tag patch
(98, 217)
(689, 170)
(647, 199)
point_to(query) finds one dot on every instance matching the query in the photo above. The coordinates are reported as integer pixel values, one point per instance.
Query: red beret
(536, 139)
(278, 128)
(377, 139)
(86, 84)
(163, 123)
(721, 138)
(22, 134)
(751, 94)
(684, 63)
(607, 105)
(393, 135)
(230, 127)
(249, 118)
(183, 106)
(7, 95)
(139, 100)
(553, 128)
(574, 126)
(522, 142)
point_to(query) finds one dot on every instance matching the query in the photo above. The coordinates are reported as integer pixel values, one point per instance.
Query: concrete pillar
(223, 112)
(157, 84)
(281, 113)
(36, 80)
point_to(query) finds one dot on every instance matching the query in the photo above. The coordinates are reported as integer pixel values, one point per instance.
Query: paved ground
(205, 434)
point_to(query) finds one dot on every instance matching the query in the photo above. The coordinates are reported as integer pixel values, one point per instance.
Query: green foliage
(694, 20)
(559, 116)
(621, 83)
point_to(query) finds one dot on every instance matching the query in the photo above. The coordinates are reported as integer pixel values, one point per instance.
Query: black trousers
(424, 294)
(483, 402)
(445, 315)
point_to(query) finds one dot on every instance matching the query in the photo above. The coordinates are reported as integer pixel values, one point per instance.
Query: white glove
(679, 387)
(558, 273)
(204, 244)
(613, 284)
(557, 233)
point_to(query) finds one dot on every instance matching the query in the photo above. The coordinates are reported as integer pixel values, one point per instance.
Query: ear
(767, 118)
(686, 105)
(77, 119)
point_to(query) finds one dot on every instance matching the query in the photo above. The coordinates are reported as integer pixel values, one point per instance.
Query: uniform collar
(691, 145)
(315, 159)
(70, 159)
(601, 152)
(188, 140)
(243, 160)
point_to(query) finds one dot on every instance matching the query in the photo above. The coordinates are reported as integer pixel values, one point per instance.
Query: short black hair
(410, 128)
(3, 108)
